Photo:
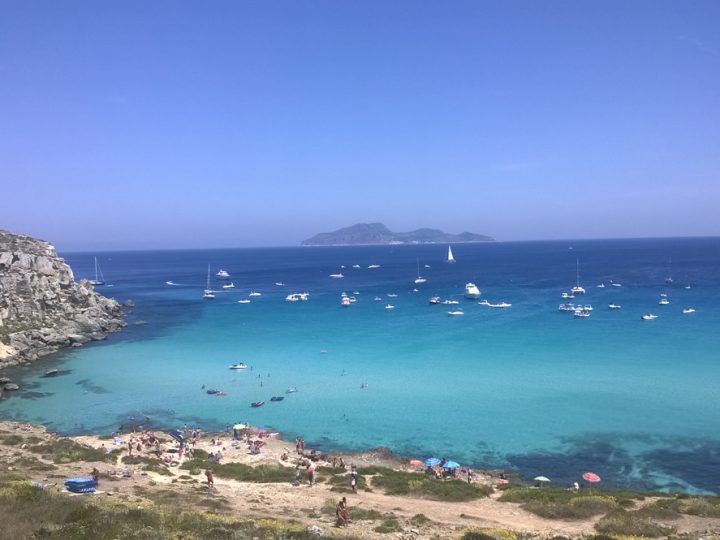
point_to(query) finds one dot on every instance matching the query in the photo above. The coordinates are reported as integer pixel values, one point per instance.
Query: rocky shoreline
(42, 308)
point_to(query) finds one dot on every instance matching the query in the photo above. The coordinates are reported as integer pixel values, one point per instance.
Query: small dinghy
(51, 373)
(291, 390)
(257, 404)
(277, 398)
(241, 365)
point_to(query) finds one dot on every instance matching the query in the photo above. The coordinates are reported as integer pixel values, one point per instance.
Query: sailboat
(577, 289)
(208, 293)
(419, 278)
(450, 258)
(669, 278)
(99, 278)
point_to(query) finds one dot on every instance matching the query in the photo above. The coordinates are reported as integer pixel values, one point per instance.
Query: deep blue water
(528, 387)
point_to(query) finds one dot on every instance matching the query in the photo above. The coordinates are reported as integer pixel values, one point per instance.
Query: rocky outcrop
(42, 307)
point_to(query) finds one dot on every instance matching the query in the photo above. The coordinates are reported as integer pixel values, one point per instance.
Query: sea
(526, 388)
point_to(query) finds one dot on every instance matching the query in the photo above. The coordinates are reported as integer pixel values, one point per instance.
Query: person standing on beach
(341, 511)
(470, 475)
(311, 474)
(353, 478)
(210, 479)
(96, 476)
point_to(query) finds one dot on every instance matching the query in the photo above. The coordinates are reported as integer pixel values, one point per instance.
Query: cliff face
(42, 308)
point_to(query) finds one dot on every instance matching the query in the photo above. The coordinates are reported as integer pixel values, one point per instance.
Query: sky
(173, 124)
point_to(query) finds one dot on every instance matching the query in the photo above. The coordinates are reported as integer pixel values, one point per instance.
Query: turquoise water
(527, 387)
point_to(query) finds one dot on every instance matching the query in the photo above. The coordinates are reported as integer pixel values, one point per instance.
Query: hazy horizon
(171, 125)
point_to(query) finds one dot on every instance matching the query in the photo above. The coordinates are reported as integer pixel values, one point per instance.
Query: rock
(5, 380)
(314, 530)
(11, 386)
(129, 303)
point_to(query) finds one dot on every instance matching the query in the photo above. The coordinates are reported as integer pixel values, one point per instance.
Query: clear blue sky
(144, 124)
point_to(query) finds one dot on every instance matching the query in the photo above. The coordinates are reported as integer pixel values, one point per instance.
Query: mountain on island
(377, 233)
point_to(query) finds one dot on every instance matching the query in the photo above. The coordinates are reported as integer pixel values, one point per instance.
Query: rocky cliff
(42, 308)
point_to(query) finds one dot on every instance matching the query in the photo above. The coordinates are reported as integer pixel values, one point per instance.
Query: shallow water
(528, 387)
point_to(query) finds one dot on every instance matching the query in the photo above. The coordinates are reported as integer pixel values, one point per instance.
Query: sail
(450, 257)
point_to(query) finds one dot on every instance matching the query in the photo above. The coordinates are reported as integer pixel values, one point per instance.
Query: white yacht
(664, 301)
(297, 297)
(279, 284)
(451, 302)
(244, 301)
(345, 301)
(169, 283)
(450, 259)
(455, 313)
(567, 307)
(434, 300)
(253, 293)
(389, 306)
(566, 296)
(208, 293)
(577, 289)
(600, 285)
(614, 306)
(241, 365)
(222, 274)
(688, 311)
(99, 278)
(500, 305)
(471, 291)
(581, 313)
(649, 317)
(373, 266)
(392, 295)
(615, 284)
(230, 285)
(336, 276)
(377, 299)
(356, 266)
(419, 279)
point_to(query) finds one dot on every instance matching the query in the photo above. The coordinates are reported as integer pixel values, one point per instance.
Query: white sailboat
(99, 278)
(419, 278)
(577, 289)
(669, 278)
(450, 258)
(208, 293)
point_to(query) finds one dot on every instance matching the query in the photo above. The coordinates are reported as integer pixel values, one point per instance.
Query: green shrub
(630, 524)
(242, 472)
(422, 485)
(11, 440)
(388, 526)
(67, 451)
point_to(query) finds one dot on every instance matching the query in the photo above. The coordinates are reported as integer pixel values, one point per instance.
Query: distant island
(377, 233)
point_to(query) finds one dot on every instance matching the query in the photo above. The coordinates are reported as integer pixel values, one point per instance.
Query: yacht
(336, 276)
(230, 285)
(471, 291)
(567, 296)
(253, 293)
(291, 390)
(244, 301)
(649, 317)
(614, 306)
(664, 301)
(99, 278)
(435, 300)
(483, 303)
(577, 289)
(567, 307)
(389, 306)
(297, 297)
(600, 285)
(500, 305)
(208, 293)
(392, 295)
(169, 283)
(222, 274)
(451, 302)
(450, 259)
(586, 307)
(454, 313)
(373, 266)
(419, 279)
(279, 284)
(377, 299)
(345, 301)
(356, 266)
(241, 365)
(615, 284)
(581, 313)
(688, 311)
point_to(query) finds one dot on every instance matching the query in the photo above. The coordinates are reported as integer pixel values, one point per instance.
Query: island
(377, 233)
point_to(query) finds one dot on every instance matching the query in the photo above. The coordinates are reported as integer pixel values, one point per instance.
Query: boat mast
(577, 263)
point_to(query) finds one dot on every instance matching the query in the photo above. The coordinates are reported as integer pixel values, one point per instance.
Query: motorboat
(241, 365)
(600, 285)
(208, 293)
(663, 295)
(586, 307)
(257, 404)
(352, 299)
(356, 292)
(664, 302)
(169, 283)
(297, 297)
(212, 391)
(649, 317)
(455, 313)
(244, 301)
(277, 398)
(500, 305)
(451, 302)
(279, 284)
(222, 274)
(389, 306)
(426, 266)
(337, 276)
(253, 293)
(345, 301)
(483, 303)
(581, 313)
(616, 284)
(566, 307)
(356, 266)
(392, 295)
(471, 291)
(614, 306)
(688, 311)
(416, 290)
(567, 296)
(373, 266)
(291, 390)
(434, 300)
(687, 286)
(377, 299)
(54, 372)
(669, 278)
(230, 285)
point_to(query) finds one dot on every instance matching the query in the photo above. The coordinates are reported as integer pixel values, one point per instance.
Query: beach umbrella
(541, 479)
(591, 477)
(451, 465)
(416, 462)
(431, 462)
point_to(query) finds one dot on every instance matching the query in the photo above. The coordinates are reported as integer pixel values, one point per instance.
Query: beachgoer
(130, 448)
(470, 475)
(297, 476)
(311, 474)
(96, 476)
(341, 511)
(210, 479)
(576, 486)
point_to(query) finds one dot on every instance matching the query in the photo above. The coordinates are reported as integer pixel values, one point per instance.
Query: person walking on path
(311, 474)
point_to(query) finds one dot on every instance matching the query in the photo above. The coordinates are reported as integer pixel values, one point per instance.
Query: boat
(612, 283)
(377, 299)
(279, 284)
(434, 300)
(687, 286)
(356, 292)
(212, 391)
(600, 285)
(500, 305)
(688, 311)
(208, 293)
(222, 274)
(614, 306)
(244, 301)
(352, 299)
(392, 295)
(253, 293)
(664, 301)
(257, 404)
(484, 303)
(451, 302)
(337, 276)
(416, 290)
(567, 296)
(581, 313)
(169, 283)
(373, 266)
(291, 390)
(389, 306)
(297, 297)
(669, 279)
(99, 278)
(419, 279)
(455, 313)
(649, 317)
(566, 307)
(277, 398)
(230, 285)
(356, 266)
(241, 365)
(450, 259)
(345, 301)
(586, 307)
(54, 372)
(577, 289)
(471, 291)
